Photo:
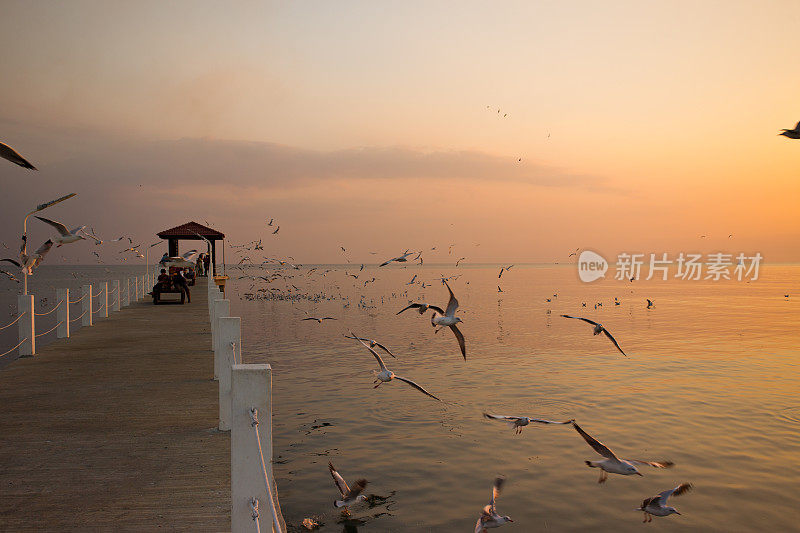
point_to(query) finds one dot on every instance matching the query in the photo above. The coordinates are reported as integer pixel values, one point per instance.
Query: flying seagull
(443, 318)
(792, 134)
(6, 152)
(319, 319)
(373, 344)
(400, 259)
(657, 505)
(518, 422)
(612, 464)
(489, 517)
(67, 236)
(349, 495)
(276, 230)
(28, 262)
(598, 328)
(385, 375)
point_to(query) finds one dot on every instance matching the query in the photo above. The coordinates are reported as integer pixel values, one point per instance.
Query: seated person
(180, 283)
(162, 284)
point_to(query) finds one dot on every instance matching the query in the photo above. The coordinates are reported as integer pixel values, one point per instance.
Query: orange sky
(640, 126)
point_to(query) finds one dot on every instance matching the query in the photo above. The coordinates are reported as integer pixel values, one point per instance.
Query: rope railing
(51, 329)
(98, 309)
(13, 322)
(112, 291)
(255, 515)
(115, 301)
(98, 293)
(254, 423)
(78, 300)
(78, 318)
(14, 348)
(50, 311)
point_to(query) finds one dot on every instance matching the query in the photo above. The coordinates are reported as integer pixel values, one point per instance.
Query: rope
(74, 319)
(50, 311)
(254, 423)
(51, 329)
(98, 293)
(14, 322)
(78, 300)
(15, 347)
(256, 516)
(98, 309)
(115, 301)
(115, 289)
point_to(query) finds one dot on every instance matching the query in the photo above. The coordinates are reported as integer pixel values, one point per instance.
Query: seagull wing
(357, 488)
(452, 305)
(6, 152)
(460, 338)
(677, 491)
(654, 464)
(373, 352)
(614, 341)
(44, 248)
(580, 318)
(423, 391)
(61, 228)
(385, 349)
(496, 487)
(341, 484)
(411, 306)
(543, 421)
(310, 318)
(796, 128)
(501, 417)
(598, 446)
(15, 263)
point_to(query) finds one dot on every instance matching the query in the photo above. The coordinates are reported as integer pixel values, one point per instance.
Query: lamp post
(39, 207)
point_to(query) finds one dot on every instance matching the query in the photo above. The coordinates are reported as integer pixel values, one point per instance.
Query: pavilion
(191, 231)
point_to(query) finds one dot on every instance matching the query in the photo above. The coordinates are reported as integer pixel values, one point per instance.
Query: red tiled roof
(190, 231)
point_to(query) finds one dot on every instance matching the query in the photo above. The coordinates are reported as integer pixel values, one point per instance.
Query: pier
(118, 427)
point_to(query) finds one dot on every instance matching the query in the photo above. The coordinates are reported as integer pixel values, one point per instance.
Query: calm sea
(711, 383)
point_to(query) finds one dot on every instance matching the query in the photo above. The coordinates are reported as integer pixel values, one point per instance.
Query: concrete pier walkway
(114, 429)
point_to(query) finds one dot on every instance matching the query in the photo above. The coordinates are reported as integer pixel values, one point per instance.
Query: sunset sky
(374, 125)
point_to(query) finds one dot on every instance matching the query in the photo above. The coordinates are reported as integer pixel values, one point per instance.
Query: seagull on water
(6, 152)
(518, 422)
(349, 495)
(598, 329)
(441, 318)
(372, 344)
(67, 236)
(792, 134)
(400, 259)
(385, 375)
(489, 517)
(612, 464)
(657, 505)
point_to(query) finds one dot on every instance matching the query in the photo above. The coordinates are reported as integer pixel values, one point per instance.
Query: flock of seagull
(609, 463)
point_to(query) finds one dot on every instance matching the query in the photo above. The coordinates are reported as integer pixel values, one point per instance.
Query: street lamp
(39, 207)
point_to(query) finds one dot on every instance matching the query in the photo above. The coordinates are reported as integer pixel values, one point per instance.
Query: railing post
(230, 344)
(251, 388)
(62, 315)
(118, 299)
(87, 306)
(105, 297)
(136, 294)
(126, 293)
(27, 325)
(221, 308)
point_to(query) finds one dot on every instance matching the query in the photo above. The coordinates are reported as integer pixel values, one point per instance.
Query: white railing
(245, 409)
(26, 315)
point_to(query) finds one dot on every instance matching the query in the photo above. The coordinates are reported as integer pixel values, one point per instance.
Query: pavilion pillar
(213, 257)
(173, 247)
